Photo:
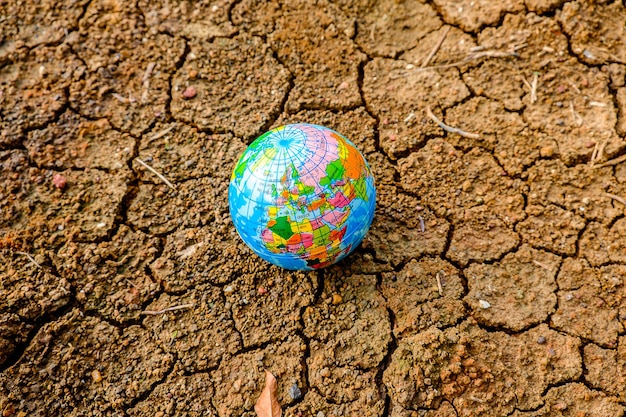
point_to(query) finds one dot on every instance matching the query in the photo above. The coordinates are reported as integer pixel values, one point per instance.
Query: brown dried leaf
(267, 405)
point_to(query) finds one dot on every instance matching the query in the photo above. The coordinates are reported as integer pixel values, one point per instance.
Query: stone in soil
(45, 216)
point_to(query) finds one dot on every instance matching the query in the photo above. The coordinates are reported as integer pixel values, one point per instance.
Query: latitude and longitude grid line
(287, 158)
(303, 165)
(318, 135)
(320, 139)
(282, 134)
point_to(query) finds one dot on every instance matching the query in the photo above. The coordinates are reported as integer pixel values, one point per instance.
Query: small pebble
(229, 289)
(588, 54)
(337, 299)
(189, 93)
(541, 340)
(96, 376)
(320, 414)
(262, 291)
(546, 151)
(59, 181)
(193, 74)
(484, 304)
(325, 372)
(294, 392)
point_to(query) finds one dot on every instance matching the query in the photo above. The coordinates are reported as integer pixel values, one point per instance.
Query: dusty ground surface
(492, 282)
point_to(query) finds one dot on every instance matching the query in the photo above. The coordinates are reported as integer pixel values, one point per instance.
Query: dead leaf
(267, 405)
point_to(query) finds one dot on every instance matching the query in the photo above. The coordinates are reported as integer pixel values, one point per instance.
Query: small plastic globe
(302, 196)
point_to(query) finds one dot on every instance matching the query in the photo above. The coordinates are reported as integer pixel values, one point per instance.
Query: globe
(302, 196)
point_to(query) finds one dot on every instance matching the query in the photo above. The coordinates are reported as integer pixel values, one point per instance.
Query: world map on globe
(302, 196)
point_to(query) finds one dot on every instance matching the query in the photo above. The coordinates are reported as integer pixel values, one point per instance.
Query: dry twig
(541, 265)
(476, 399)
(578, 121)
(594, 154)
(532, 87)
(146, 82)
(30, 258)
(574, 86)
(121, 98)
(600, 154)
(611, 162)
(410, 117)
(149, 69)
(439, 287)
(165, 180)
(450, 128)
(163, 133)
(165, 310)
(616, 198)
(434, 51)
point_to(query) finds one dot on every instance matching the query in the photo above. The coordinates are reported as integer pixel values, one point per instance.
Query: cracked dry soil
(492, 282)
